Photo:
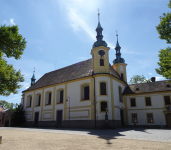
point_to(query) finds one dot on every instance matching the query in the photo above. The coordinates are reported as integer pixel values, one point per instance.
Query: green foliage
(164, 63)
(137, 79)
(12, 44)
(147, 80)
(164, 30)
(19, 116)
(7, 105)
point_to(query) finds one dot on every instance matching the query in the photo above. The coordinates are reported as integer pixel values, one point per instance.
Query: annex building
(80, 95)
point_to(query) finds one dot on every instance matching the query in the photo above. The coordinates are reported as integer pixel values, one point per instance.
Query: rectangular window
(150, 118)
(134, 118)
(148, 101)
(101, 62)
(103, 88)
(167, 100)
(61, 96)
(30, 101)
(49, 99)
(133, 103)
(39, 100)
(120, 94)
(103, 106)
(86, 93)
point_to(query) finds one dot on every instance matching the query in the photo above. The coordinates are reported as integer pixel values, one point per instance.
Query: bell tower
(99, 52)
(119, 63)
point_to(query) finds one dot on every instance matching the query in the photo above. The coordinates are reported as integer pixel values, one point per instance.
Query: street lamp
(68, 99)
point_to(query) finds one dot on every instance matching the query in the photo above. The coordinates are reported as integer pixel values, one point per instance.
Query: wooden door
(168, 118)
(36, 118)
(59, 118)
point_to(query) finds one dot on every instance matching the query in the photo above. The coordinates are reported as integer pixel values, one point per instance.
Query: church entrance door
(59, 118)
(36, 119)
(168, 119)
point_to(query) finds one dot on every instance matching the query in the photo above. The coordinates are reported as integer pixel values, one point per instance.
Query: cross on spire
(34, 70)
(117, 34)
(98, 15)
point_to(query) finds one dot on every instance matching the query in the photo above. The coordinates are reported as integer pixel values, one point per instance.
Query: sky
(61, 32)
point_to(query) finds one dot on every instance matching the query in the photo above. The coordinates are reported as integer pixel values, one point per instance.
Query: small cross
(34, 70)
(98, 15)
(116, 33)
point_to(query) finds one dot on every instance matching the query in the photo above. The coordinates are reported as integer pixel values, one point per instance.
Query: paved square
(122, 138)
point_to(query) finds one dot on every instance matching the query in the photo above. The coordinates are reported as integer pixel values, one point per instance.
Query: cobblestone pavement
(160, 135)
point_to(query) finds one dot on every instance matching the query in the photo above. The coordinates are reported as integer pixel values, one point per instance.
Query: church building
(95, 94)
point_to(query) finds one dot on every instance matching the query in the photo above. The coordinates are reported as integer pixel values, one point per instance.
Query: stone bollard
(0, 139)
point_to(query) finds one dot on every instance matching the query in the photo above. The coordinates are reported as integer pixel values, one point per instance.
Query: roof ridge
(67, 66)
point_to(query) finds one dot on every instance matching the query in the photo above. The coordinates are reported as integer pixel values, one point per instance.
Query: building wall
(157, 109)
(79, 109)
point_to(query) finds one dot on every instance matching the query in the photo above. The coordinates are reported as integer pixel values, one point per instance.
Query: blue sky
(61, 32)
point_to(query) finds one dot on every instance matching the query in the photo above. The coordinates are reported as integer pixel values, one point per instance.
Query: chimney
(153, 79)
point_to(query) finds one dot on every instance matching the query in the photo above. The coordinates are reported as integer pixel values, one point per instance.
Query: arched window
(29, 100)
(101, 62)
(48, 98)
(103, 88)
(120, 94)
(38, 99)
(85, 91)
(104, 106)
(60, 96)
(122, 76)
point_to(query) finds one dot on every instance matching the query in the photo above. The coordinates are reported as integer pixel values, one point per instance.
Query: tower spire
(118, 53)
(33, 78)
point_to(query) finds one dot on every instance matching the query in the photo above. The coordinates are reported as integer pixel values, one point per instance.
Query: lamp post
(68, 99)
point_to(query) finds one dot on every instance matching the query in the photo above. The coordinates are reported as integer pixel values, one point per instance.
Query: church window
(148, 101)
(121, 76)
(120, 94)
(85, 91)
(101, 62)
(103, 88)
(48, 98)
(134, 118)
(103, 106)
(133, 102)
(150, 118)
(167, 100)
(29, 100)
(60, 96)
(38, 99)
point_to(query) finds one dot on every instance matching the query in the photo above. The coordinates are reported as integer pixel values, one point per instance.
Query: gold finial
(98, 15)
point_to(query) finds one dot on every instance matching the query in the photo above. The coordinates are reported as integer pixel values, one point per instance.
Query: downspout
(94, 102)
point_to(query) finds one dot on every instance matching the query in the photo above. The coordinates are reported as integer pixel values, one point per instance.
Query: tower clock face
(101, 53)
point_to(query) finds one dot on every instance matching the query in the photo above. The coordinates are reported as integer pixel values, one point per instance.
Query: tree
(164, 31)
(7, 105)
(12, 44)
(137, 79)
(19, 117)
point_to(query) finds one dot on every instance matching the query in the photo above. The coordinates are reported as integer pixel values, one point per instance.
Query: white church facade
(93, 93)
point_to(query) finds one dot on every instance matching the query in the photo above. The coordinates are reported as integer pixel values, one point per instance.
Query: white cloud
(160, 78)
(39, 48)
(150, 73)
(79, 12)
(12, 21)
